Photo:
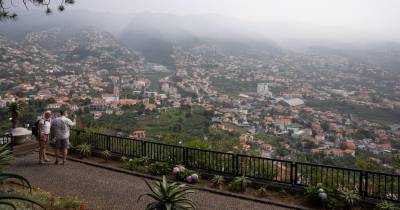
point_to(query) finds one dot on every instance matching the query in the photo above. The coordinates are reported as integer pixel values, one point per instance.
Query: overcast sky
(362, 14)
(343, 20)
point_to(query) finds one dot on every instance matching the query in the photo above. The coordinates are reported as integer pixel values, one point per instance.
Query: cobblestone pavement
(109, 190)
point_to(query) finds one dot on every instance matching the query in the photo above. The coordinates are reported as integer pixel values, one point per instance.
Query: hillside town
(289, 106)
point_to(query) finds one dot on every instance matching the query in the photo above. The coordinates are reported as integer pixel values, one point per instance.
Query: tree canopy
(7, 7)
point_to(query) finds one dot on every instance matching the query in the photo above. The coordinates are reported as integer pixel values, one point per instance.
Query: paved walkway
(109, 190)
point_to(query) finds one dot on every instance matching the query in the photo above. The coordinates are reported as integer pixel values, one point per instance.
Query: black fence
(6, 139)
(369, 184)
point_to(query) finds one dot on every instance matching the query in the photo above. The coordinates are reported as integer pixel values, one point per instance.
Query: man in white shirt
(44, 133)
(61, 127)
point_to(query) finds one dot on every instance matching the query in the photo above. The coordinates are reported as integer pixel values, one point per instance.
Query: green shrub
(321, 196)
(160, 168)
(144, 161)
(233, 186)
(85, 150)
(48, 200)
(106, 155)
(218, 181)
(262, 191)
(311, 192)
(133, 163)
(386, 205)
(239, 183)
(124, 162)
(349, 196)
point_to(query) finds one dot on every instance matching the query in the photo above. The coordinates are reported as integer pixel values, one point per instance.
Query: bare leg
(56, 151)
(65, 153)
(44, 151)
(41, 151)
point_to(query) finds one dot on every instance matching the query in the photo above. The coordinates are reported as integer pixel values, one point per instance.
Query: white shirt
(62, 127)
(45, 126)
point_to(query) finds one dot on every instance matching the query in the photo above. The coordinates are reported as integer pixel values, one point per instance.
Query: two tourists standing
(59, 130)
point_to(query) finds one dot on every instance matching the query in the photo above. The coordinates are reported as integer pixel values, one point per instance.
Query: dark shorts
(62, 143)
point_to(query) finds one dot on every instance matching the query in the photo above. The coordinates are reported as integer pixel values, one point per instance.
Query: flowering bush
(195, 178)
(177, 169)
(186, 175)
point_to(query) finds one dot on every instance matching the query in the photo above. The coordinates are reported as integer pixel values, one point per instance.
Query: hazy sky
(360, 14)
(340, 20)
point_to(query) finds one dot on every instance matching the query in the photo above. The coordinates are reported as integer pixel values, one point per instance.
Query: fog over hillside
(155, 34)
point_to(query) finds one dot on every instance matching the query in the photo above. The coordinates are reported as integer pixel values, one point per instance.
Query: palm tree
(15, 109)
(169, 196)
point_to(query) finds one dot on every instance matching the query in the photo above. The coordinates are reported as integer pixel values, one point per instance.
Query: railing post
(143, 153)
(185, 156)
(294, 174)
(77, 137)
(235, 163)
(291, 173)
(360, 187)
(109, 143)
(365, 193)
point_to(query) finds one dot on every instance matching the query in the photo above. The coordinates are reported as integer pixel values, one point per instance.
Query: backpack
(35, 128)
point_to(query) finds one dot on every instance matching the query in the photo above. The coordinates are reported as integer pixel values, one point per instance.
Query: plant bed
(272, 195)
(47, 199)
(268, 192)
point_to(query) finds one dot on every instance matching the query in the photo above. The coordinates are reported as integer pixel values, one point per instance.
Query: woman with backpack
(44, 136)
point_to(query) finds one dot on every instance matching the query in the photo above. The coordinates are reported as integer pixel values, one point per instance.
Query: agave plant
(169, 196)
(15, 109)
(386, 205)
(349, 196)
(262, 191)
(85, 150)
(218, 181)
(124, 159)
(241, 183)
(106, 154)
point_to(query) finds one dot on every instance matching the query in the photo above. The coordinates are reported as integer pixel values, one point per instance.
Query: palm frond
(6, 156)
(23, 180)
(153, 206)
(5, 203)
(9, 196)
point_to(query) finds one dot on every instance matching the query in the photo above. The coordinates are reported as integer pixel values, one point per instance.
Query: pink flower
(195, 178)
(176, 170)
(189, 179)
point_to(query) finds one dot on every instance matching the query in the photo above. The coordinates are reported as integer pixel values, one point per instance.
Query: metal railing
(369, 184)
(6, 139)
